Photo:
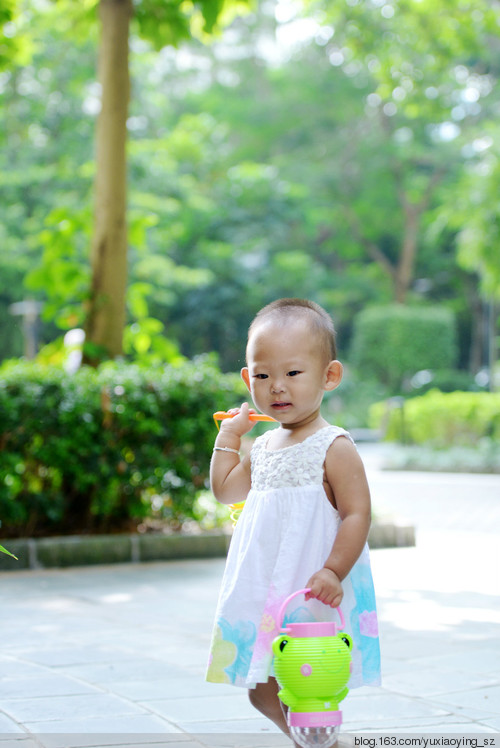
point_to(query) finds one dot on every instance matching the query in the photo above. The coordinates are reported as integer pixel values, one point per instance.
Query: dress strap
(324, 438)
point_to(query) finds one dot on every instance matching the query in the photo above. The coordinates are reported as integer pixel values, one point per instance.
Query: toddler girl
(307, 509)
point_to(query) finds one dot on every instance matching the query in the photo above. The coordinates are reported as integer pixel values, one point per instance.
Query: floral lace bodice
(298, 465)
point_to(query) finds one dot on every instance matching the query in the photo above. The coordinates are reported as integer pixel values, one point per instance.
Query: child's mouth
(280, 406)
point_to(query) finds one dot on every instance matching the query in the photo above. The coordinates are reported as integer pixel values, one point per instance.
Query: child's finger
(337, 599)
(314, 592)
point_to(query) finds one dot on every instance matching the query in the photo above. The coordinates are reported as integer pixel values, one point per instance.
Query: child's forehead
(283, 337)
(289, 328)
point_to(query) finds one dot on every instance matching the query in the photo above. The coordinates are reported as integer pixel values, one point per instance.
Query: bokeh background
(168, 168)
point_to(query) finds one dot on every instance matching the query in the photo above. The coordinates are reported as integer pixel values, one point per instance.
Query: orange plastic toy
(221, 415)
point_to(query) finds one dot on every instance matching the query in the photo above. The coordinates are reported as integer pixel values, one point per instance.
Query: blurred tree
(477, 216)
(162, 23)
(105, 319)
(372, 177)
(473, 216)
(428, 65)
(12, 44)
(45, 152)
(256, 170)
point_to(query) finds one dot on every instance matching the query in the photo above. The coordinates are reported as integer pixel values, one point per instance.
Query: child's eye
(260, 376)
(293, 373)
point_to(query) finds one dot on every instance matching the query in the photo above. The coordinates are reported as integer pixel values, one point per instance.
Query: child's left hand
(326, 587)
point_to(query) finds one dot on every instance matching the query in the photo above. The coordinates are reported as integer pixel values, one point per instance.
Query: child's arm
(230, 476)
(346, 475)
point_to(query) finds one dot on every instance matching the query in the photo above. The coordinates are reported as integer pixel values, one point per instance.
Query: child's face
(287, 372)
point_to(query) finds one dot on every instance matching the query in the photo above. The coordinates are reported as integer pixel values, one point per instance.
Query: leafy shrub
(95, 451)
(391, 343)
(441, 419)
(348, 406)
(446, 380)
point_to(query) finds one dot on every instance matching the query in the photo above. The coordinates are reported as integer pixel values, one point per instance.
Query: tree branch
(372, 249)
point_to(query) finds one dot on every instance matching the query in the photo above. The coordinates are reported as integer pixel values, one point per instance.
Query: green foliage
(445, 380)
(15, 44)
(253, 177)
(61, 271)
(45, 149)
(475, 212)
(419, 64)
(99, 450)
(441, 419)
(170, 22)
(392, 343)
(349, 405)
(4, 550)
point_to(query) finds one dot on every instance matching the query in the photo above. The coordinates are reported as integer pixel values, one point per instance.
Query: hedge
(96, 450)
(391, 343)
(440, 419)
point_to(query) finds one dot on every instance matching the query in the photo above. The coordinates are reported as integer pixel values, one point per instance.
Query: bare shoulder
(342, 447)
(343, 460)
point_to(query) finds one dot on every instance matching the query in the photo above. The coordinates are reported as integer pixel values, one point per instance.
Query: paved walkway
(115, 655)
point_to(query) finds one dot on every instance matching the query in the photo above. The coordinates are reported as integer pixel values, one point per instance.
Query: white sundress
(284, 535)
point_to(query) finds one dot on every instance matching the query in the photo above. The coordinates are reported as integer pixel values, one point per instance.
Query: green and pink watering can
(312, 664)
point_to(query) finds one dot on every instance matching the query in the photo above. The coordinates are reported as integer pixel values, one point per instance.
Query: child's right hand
(325, 586)
(240, 423)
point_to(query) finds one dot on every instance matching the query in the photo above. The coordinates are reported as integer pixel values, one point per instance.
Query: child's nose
(277, 386)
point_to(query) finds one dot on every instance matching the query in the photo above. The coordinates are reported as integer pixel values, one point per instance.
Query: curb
(85, 550)
(391, 535)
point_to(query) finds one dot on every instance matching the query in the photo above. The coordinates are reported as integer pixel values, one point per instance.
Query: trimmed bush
(392, 343)
(449, 380)
(441, 419)
(99, 449)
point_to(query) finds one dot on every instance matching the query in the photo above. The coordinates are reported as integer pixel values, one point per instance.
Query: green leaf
(4, 550)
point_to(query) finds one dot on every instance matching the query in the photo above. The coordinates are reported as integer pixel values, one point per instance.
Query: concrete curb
(84, 550)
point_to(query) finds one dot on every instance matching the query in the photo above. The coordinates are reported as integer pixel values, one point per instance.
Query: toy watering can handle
(281, 614)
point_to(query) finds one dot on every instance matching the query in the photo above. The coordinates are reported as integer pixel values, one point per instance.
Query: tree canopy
(357, 166)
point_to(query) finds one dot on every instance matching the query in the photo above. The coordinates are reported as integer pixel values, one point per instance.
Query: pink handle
(281, 614)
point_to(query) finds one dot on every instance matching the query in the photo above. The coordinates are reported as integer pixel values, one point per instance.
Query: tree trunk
(106, 311)
(477, 336)
(405, 269)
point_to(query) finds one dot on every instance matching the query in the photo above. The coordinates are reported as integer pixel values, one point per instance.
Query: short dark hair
(290, 309)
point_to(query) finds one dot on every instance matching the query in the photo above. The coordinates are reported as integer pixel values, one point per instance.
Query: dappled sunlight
(116, 598)
(417, 612)
(442, 562)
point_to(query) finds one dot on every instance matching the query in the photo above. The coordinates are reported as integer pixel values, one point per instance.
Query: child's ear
(245, 375)
(334, 374)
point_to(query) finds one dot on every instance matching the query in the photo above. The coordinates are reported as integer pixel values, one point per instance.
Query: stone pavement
(115, 655)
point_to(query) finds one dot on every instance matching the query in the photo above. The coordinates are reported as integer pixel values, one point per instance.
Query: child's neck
(292, 433)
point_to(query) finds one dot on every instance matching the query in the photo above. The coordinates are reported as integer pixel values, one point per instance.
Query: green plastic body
(312, 671)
